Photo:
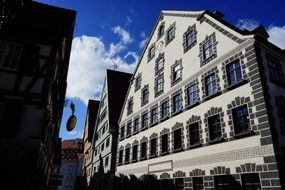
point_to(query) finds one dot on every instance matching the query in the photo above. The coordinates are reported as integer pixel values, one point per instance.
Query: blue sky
(112, 32)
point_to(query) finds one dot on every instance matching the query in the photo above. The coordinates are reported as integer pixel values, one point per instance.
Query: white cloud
(132, 54)
(88, 63)
(125, 36)
(75, 134)
(144, 40)
(277, 35)
(248, 24)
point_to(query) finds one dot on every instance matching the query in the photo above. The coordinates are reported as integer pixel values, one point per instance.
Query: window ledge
(122, 138)
(119, 164)
(177, 112)
(244, 134)
(133, 161)
(128, 135)
(136, 132)
(217, 140)
(239, 83)
(127, 162)
(153, 156)
(164, 153)
(153, 124)
(178, 150)
(196, 145)
(144, 158)
(163, 119)
(206, 60)
(212, 95)
(192, 105)
(142, 129)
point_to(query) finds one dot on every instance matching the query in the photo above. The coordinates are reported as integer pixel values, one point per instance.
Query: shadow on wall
(122, 182)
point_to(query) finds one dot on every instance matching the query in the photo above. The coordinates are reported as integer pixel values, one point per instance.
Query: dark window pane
(234, 72)
(176, 103)
(214, 127)
(164, 110)
(241, 120)
(192, 94)
(164, 143)
(135, 153)
(211, 84)
(226, 182)
(121, 157)
(198, 183)
(127, 155)
(177, 139)
(153, 143)
(250, 181)
(179, 184)
(143, 150)
(194, 133)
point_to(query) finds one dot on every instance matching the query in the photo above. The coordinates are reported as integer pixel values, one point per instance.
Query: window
(164, 109)
(198, 183)
(159, 64)
(143, 150)
(190, 38)
(215, 131)
(127, 156)
(102, 147)
(159, 85)
(241, 120)
(211, 84)
(191, 94)
(135, 153)
(120, 157)
(107, 142)
(129, 129)
(10, 55)
(106, 161)
(145, 94)
(250, 181)
(275, 70)
(153, 116)
(177, 139)
(136, 125)
(130, 106)
(234, 73)
(151, 52)
(176, 72)
(153, 143)
(194, 133)
(138, 82)
(122, 132)
(176, 101)
(103, 129)
(164, 143)
(144, 121)
(179, 183)
(160, 31)
(225, 182)
(208, 49)
(170, 34)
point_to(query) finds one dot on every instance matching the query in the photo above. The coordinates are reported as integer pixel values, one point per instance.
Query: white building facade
(202, 107)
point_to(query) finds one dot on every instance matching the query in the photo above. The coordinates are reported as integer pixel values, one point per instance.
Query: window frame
(144, 121)
(153, 153)
(143, 150)
(208, 80)
(240, 129)
(194, 133)
(154, 115)
(237, 71)
(213, 131)
(135, 154)
(176, 103)
(127, 155)
(164, 110)
(164, 145)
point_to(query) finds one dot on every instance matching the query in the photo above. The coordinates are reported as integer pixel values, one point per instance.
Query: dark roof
(118, 83)
(92, 111)
(41, 22)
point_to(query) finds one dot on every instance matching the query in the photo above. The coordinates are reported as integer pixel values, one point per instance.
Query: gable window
(275, 70)
(198, 183)
(177, 139)
(106, 161)
(194, 134)
(144, 121)
(159, 85)
(241, 119)
(176, 72)
(164, 144)
(170, 34)
(208, 49)
(135, 153)
(151, 52)
(153, 144)
(211, 84)
(136, 125)
(122, 132)
(145, 95)
(120, 157)
(143, 150)
(164, 109)
(234, 73)
(159, 64)
(127, 156)
(160, 31)
(153, 115)
(250, 181)
(215, 131)
(191, 94)
(176, 102)
(129, 129)
(130, 105)
(138, 82)
(107, 142)
(189, 38)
